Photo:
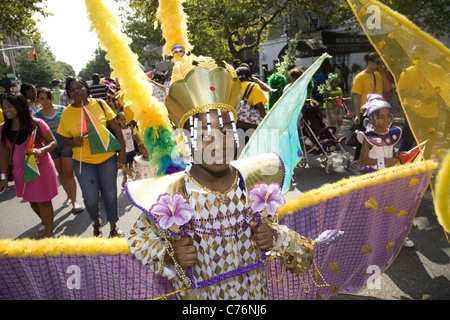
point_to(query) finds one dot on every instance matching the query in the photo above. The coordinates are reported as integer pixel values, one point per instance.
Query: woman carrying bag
(252, 109)
(83, 128)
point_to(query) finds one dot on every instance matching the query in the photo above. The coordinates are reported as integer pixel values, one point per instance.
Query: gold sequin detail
(366, 249)
(371, 204)
(413, 182)
(390, 209)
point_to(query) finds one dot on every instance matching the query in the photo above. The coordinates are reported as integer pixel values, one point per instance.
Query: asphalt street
(418, 273)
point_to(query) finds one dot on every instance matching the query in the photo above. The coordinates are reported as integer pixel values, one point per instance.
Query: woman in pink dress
(18, 127)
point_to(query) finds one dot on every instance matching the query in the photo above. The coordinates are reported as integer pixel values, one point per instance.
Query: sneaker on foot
(408, 243)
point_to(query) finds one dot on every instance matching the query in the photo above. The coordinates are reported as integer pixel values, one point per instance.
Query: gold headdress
(198, 84)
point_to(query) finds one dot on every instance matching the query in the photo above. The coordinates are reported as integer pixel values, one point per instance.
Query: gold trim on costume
(221, 106)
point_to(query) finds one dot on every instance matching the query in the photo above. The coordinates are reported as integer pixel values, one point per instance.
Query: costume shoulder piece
(264, 168)
(383, 140)
(144, 193)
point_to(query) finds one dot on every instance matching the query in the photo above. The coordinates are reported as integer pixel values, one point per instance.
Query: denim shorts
(64, 152)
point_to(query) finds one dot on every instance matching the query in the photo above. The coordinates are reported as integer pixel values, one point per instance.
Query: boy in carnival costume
(206, 228)
(220, 242)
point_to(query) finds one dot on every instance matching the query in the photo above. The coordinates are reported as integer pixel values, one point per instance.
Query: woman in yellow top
(98, 172)
(253, 95)
(373, 79)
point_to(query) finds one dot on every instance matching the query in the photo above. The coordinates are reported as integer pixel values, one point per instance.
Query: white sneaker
(357, 166)
(408, 243)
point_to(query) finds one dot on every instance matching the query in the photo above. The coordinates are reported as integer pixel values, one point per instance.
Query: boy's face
(215, 151)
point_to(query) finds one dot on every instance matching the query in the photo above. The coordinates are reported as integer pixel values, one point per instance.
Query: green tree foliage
(16, 18)
(432, 16)
(42, 71)
(290, 57)
(5, 82)
(220, 29)
(98, 64)
(224, 29)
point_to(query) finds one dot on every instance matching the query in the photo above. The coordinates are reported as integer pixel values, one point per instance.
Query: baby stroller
(318, 138)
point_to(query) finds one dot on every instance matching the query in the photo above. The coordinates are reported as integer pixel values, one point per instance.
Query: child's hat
(375, 102)
(324, 87)
(375, 105)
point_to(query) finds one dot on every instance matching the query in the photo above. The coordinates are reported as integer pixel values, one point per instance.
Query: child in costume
(127, 132)
(141, 167)
(331, 91)
(221, 241)
(379, 140)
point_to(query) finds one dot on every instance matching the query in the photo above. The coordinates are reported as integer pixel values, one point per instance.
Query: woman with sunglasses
(15, 133)
(369, 81)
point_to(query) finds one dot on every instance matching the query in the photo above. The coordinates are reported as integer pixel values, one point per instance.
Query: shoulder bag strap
(12, 150)
(374, 83)
(248, 91)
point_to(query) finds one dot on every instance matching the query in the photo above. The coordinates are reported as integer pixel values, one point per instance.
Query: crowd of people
(54, 114)
(61, 149)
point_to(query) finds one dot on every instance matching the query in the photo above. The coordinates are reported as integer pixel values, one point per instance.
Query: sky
(67, 31)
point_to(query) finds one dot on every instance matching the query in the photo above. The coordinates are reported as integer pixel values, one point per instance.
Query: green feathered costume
(276, 81)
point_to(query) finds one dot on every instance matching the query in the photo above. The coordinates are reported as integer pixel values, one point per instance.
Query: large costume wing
(278, 131)
(420, 66)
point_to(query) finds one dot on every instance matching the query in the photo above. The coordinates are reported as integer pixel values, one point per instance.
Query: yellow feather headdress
(150, 114)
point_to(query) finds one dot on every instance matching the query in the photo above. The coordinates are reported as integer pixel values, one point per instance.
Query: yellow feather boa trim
(148, 111)
(173, 25)
(63, 246)
(442, 194)
(344, 186)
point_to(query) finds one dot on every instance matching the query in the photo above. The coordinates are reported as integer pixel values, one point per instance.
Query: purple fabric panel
(362, 226)
(105, 277)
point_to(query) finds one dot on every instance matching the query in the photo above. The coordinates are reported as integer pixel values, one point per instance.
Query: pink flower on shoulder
(172, 211)
(266, 198)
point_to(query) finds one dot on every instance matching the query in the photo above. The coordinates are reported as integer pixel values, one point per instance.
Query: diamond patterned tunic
(222, 236)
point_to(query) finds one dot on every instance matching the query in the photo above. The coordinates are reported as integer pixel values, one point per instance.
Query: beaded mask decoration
(199, 84)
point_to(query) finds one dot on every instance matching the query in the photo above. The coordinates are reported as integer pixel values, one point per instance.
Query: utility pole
(12, 61)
